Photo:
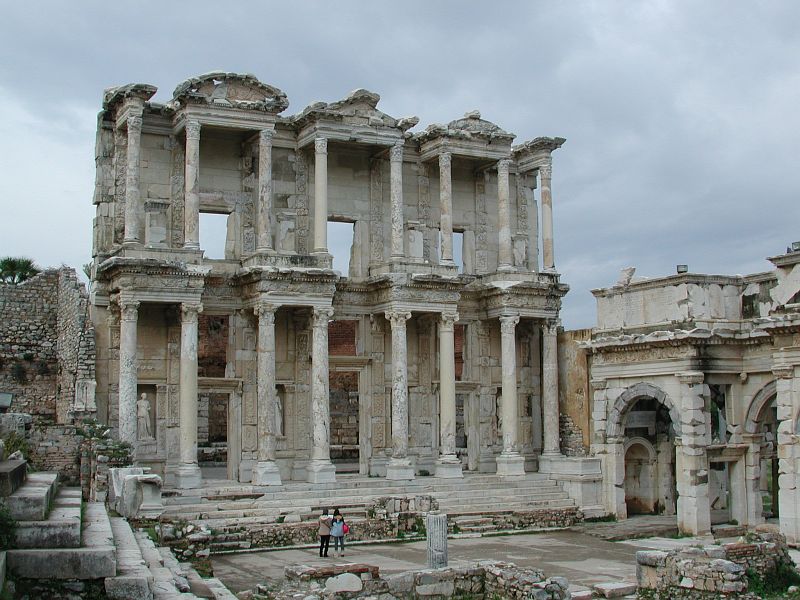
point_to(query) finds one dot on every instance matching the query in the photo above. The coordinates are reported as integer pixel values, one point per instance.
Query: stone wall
(573, 392)
(47, 354)
(718, 571)
(483, 579)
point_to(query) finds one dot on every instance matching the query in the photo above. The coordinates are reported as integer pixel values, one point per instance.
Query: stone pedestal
(581, 477)
(511, 464)
(266, 473)
(320, 471)
(399, 469)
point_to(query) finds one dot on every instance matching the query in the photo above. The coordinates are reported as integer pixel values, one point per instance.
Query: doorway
(344, 415)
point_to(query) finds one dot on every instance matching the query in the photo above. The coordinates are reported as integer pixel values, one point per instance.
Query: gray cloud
(681, 117)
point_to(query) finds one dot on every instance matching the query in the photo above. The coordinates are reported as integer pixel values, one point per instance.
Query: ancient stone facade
(455, 363)
(696, 396)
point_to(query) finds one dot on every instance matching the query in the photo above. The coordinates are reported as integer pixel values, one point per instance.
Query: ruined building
(696, 382)
(436, 352)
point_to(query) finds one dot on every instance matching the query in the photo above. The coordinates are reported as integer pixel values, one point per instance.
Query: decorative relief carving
(322, 316)
(193, 130)
(447, 321)
(190, 312)
(301, 202)
(644, 355)
(120, 178)
(129, 310)
(176, 192)
(321, 145)
(550, 327)
(376, 211)
(397, 318)
(265, 313)
(546, 170)
(508, 323)
(396, 152)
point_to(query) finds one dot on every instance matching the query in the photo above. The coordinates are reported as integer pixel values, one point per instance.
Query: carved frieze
(376, 211)
(645, 354)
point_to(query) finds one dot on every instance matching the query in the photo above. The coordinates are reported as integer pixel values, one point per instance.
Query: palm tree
(16, 269)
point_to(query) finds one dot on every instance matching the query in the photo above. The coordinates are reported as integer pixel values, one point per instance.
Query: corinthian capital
(134, 124)
(508, 323)
(447, 321)
(190, 312)
(445, 159)
(321, 316)
(265, 137)
(193, 130)
(546, 170)
(397, 318)
(321, 145)
(265, 313)
(550, 326)
(396, 153)
(503, 166)
(129, 310)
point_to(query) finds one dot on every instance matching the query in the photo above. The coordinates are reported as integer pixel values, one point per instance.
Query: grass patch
(773, 584)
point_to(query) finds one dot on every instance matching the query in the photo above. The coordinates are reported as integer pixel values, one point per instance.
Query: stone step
(61, 529)
(12, 476)
(31, 501)
(165, 585)
(95, 559)
(347, 498)
(489, 506)
(133, 580)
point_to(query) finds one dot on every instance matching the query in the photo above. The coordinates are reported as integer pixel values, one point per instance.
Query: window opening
(340, 244)
(213, 234)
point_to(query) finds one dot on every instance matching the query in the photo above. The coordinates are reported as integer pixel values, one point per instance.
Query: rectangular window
(340, 243)
(458, 249)
(213, 234)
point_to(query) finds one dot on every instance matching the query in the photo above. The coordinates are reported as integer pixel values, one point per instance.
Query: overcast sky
(682, 119)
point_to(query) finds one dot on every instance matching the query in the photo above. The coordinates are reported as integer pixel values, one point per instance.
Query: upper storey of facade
(221, 146)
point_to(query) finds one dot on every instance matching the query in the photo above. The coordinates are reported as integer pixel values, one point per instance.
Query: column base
(448, 468)
(399, 469)
(187, 476)
(510, 465)
(321, 471)
(266, 473)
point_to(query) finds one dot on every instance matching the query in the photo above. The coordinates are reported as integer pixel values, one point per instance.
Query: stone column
(264, 211)
(436, 530)
(266, 470)
(691, 458)
(510, 462)
(505, 252)
(191, 210)
(399, 466)
(448, 464)
(321, 195)
(446, 207)
(396, 182)
(550, 424)
(548, 258)
(320, 469)
(787, 401)
(132, 199)
(188, 472)
(128, 382)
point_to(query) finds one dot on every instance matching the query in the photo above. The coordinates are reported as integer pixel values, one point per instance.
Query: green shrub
(14, 442)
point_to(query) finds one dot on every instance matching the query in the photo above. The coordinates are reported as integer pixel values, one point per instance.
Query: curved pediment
(470, 126)
(113, 96)
(360, 107)
(232, 90)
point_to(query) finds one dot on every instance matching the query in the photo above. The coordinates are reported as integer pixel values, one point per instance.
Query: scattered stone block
(12, 476)
(615, 589)
(346, 582)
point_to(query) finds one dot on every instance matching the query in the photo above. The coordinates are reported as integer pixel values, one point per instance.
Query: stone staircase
(235, 511)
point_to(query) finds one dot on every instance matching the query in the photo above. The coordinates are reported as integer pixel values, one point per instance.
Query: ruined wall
(573, 392)
(28, 344)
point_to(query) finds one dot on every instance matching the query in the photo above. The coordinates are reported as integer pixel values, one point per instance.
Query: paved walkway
(582, 559)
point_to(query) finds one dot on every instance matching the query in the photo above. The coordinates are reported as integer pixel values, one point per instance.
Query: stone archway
(641, 496)
(663, 444)
(762, 483)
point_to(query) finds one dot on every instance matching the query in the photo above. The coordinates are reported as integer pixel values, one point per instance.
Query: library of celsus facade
(436, 353)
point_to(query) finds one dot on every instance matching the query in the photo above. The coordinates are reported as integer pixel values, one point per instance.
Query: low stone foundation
(482, 580)
(715, 571)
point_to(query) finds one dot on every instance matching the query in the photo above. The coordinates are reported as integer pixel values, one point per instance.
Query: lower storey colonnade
(283, 427)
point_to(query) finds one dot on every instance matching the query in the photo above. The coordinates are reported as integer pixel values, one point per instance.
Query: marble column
(266, 470)
(448, 464)
(396, 182)
(264, 210)
(505, 252)
(446, 207)
(128, 382)
(132, 196)
(548, 259)
(321, 195)
(191, 209)
(188, 474)
(510, 462)
(320, 469)
(399, 466)
(550, 419)
(787, 405)
(691, 457)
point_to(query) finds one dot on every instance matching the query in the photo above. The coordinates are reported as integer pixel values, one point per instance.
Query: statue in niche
(278, 415)
(144, 432)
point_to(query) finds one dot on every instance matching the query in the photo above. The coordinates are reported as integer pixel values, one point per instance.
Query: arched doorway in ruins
(761, 428)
